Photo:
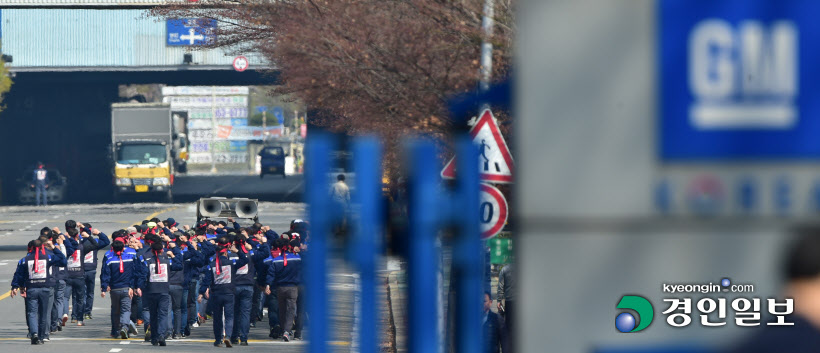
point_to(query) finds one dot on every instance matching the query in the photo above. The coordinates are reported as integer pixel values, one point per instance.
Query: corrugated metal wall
(87, 2)
(110, 38)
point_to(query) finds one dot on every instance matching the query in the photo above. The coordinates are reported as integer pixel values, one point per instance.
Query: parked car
(273, 161)
(56, 192)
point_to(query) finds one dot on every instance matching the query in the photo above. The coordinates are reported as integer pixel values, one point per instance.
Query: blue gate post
(468, 254)
(317, 153)
(366, 246)
(422, 296)
(430, 209)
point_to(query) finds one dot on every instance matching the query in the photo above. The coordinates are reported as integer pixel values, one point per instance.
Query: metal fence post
(429, 210)
(366, 246)
(467, 250)
(318, 161)
(422, 308)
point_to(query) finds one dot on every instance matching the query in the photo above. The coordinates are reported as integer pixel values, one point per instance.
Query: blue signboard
(238, 146)
(279, 113)
(737, 80)
(190, 31)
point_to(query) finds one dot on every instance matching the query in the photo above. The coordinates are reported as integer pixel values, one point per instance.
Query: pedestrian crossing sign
(495, 161)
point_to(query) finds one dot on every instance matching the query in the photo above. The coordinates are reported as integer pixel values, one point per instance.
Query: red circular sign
(240, 63)
(493, 208)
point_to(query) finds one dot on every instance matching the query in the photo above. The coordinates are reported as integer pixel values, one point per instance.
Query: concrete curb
(391, 318)
(398, 301)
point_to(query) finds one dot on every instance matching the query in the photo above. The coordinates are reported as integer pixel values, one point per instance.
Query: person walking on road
(507, 295)
(83, 243)
(36, 281)
(492, 327)
(244, 282)
(284, 274)
(119, 277)
(90, 266)
(220, 287)
(155, 265)
(40, 183)
(340, 194)
(60, 306)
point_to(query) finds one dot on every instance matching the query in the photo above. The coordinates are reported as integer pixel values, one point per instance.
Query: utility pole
(487, 24)
(213, 129)
(264, 124)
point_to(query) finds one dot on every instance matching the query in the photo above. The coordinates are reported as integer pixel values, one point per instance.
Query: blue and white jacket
(111, 276)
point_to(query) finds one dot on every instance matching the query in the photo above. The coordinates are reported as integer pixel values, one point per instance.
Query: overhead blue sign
(190, 31)
(737, 80)
(279, 113)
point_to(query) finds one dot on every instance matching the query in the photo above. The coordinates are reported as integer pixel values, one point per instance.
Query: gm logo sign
(737, 82)
(628, 323)
(743, 76)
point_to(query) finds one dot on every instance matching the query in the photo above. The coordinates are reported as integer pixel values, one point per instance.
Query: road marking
(4, 296)
(115, 350)
(125, 342)
(225, 186)
(169, 209)
(332, 343)
(294, 189)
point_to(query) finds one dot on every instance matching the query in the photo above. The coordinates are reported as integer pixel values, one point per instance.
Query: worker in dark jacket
(40, 182)
(59, 310)
(38, 279)
(492, 327)
(179, 283)
(17, 282)
(219, 286)
(83, 244)
(244, 285)
(270, 298)
(119, 277)
(192, 260)
(90, 266)
(285, 275)
(155, 266)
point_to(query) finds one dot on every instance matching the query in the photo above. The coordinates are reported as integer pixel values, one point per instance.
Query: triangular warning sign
(495, 161)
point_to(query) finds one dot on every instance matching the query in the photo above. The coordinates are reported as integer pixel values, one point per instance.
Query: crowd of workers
(166, 278)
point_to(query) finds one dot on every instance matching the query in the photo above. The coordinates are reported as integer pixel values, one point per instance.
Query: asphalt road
(272, 188)
(190, 187)
(19, 224)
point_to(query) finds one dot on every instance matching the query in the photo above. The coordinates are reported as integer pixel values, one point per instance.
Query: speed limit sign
(240, 63)
(493, 208)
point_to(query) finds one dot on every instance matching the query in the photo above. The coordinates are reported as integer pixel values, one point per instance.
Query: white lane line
(125, 342)
(357, 304)
(294, 188)
(115, 350)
